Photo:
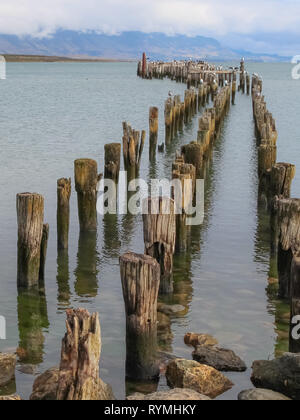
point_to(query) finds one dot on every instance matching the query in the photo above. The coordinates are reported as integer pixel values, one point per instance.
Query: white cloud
(217, 18)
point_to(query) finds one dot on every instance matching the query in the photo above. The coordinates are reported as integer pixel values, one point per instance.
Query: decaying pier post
(78, 378)
(288, 220)
(160, 236)
(30, 215)
(133, 147)
(282, 175)
(153, 129)
(295, 303)
(140, 275)
(193, 154)
(112, 161)
(63, 212)
(44, 247)
(184, 173)
(86, 180)
(169, 120)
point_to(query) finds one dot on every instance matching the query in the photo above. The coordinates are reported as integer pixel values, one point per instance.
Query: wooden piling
(44, 247)
(288, 219)
(282, 175)
(112, 161)
(169, 120)
(160, 236)
(153, 129)
(78, 378)
(63, 212)
(86, 179)
(30, 215)
(140, 275)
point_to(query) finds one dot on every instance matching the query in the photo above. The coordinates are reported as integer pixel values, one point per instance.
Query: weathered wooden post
(30, 215)
(160, 236)
(282, 175)
(295, 304)
(112, 161)
(233, 92)
(184, 173)
(288, 217)
(140, 275)
(133, 147)
(79, 378)
(193, 154)
(267, 155)
(153, 129)
(248, 82)
(144, 66)
(63, 212)
(44, 247)
(86, 179)
(169, 120)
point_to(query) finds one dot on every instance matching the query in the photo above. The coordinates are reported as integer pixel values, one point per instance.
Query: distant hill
(128, 45)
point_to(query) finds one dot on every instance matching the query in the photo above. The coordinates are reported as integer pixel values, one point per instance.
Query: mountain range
(127, 45)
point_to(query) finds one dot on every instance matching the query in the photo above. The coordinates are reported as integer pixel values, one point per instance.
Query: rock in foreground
(281, 375)
(204, 379)
(7, 368)
(45, 386)
(10, 398)
(177, 394)
(261, 395)
(170, 309)
(220, 359)
(195, 340)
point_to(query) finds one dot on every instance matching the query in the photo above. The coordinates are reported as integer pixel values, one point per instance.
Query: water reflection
(32, 320)
(279, 309)
(63, 280)
(111, 239)
(86, 273)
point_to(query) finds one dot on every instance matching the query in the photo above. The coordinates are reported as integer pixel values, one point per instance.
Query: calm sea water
(52, 114)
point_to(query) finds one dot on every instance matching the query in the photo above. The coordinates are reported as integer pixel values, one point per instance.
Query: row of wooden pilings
(275, 187)
(143, 276)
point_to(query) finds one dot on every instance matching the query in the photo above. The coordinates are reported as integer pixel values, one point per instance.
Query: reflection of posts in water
(86, 273)
(111, 240)
(63, 278)
(32, 319)
(295, 306)
(140, 275)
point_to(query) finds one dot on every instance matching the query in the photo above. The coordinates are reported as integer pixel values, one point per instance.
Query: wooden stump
(153, 128)
(30, 214)
(44, 247)
(80, 356)
(169, 120)
(160, 236)
(133, 147)
(193, 154)
(140, 276)
(112, 161)
(63, 212)
(288, 216)
(295, 303)
(267, 155)
(86, 179)
(282, 175)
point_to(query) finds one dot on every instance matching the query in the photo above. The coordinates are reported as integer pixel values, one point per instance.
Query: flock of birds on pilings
(146, 276)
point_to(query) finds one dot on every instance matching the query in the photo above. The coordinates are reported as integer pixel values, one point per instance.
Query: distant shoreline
(20, 58)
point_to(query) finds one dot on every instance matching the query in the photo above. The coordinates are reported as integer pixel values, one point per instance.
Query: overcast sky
(257, 25)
